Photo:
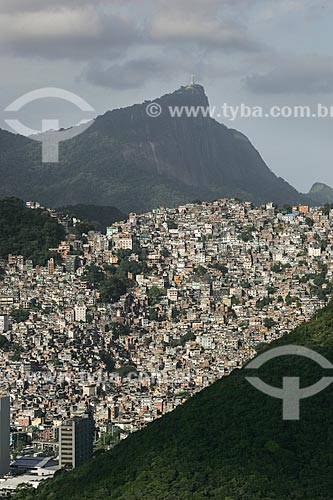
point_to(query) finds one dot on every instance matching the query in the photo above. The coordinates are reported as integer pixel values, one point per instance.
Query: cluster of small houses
(226, 278)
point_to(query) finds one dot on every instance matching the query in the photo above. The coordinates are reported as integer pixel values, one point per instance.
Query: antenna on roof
(193, 80)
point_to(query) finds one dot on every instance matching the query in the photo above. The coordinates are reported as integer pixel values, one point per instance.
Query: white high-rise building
(4, 435)
(80, 312)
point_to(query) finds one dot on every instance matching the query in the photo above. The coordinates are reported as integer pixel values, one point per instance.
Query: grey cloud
(81, 30)
(42, 5)
(73, 34)
(128, 75)
(311, 76)
(205, 34)
(207, 24)
(134, 74)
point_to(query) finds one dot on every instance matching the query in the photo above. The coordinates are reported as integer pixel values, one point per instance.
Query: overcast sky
(114, 53)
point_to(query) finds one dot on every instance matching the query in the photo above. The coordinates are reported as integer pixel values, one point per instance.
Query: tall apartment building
(4, 323)
(76, 439)
(51, 266)
(80, 313)
(4, 435)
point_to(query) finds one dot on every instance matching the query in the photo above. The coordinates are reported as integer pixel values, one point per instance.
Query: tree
(19, 315)
(16, 356)
(3, 341)
(269, 323)
(171, 224)
(277, 268)
(153, 314)
(220, 267)
(119, 330)
(201, 271)
(112, 289)
(24, 492)
(28, 232)
(154, 295)
(261, 303)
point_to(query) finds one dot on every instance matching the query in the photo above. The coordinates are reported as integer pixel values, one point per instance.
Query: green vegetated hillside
(321, 193)
(228, 442)
(99, 216)
(27, 232)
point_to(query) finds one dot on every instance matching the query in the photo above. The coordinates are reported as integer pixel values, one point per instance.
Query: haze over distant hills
(134, 162)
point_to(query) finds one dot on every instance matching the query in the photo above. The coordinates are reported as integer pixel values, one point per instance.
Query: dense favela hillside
(228, 442)
(30, 233)
(136, 163)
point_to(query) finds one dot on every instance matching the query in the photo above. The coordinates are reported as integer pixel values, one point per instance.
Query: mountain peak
(165, 151)
(194, 88)
(319, 186)
(187, 95)
(321, 193)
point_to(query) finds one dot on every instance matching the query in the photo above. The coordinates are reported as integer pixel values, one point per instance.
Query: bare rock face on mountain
(136, 162)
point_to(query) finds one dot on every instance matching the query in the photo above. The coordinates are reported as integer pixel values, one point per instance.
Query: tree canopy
(26, 232)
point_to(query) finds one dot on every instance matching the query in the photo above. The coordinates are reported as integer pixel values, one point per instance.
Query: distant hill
(228, 442)
(27, 232)
(321, 193)
(136, 163)
(100, 217)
